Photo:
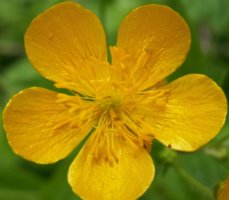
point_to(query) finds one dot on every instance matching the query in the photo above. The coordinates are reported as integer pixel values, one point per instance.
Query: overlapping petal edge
(44, 127)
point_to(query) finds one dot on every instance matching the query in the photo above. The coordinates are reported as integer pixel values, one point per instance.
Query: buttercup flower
(124, 105)
(223, 190)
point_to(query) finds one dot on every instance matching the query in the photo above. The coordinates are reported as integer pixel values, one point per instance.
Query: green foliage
(177, 174)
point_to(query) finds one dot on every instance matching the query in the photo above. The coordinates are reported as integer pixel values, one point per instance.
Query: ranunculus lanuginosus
(223, 190)
(124, 105)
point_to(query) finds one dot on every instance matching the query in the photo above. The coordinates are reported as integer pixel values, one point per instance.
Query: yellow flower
(124, 105)
(223, 191)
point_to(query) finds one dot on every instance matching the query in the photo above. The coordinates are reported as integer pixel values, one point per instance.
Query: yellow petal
(157, 39)
(194, 113)
(223, 190)
(41, 129)
(127, 178)
(67, 44)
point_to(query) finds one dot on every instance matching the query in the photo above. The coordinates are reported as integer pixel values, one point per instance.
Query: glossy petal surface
(98, 179)
(67, 45)
(155, 40)
(194, 112)
(41, 129)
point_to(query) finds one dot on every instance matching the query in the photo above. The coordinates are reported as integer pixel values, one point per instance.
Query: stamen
(115, 104)
(78, 114)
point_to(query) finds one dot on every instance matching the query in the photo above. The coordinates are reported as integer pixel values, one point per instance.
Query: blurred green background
(179, 176)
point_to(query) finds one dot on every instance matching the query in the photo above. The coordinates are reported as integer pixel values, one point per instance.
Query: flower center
(114, 115)
(111, 102)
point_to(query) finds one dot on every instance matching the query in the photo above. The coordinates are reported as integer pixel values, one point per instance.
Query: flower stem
(198, 186)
